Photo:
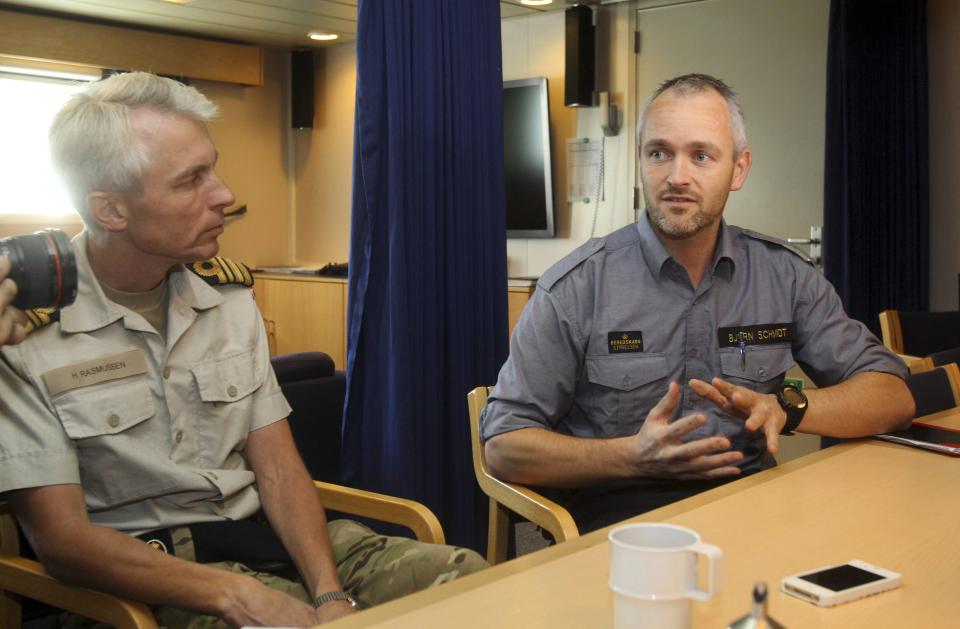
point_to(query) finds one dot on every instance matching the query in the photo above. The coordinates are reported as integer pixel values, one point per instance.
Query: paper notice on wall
(583, 169)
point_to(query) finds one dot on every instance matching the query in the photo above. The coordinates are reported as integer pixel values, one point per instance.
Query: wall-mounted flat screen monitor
(526, 159)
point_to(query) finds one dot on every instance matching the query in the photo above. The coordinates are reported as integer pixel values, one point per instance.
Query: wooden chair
(315, 390)
(938, 359)
(919, 333)
(935, 390)
(21, 577)
(506, 497)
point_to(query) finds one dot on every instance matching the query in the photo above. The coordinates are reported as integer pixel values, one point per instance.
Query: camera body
(44, 267)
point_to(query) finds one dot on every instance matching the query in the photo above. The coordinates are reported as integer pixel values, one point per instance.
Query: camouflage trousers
(372, 568)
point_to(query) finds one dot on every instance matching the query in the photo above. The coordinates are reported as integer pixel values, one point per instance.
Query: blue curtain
(876, 209)
(427, 315)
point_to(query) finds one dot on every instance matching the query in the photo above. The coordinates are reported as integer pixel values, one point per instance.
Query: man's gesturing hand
(659, 452)
(761, 410)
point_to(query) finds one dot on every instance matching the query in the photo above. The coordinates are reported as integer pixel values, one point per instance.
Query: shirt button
(166, 373)
(113, 420)
(178, 436)
(762, 371)
(232, 391)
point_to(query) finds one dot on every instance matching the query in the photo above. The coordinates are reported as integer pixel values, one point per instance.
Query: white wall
(943, 50)
(774, 55)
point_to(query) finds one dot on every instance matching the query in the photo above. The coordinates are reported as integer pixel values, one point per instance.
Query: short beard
(695, 224)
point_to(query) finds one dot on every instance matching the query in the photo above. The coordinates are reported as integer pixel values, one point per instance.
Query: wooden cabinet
(304, 313)
(518, 294)
(308, 313)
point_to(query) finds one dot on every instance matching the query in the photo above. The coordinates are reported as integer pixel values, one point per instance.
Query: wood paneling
(517, 298)
(307, 313)
(304, 313)
(101, 46)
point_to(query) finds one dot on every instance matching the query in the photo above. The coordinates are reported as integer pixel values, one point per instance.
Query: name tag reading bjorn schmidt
(763, 334)
(103, 369)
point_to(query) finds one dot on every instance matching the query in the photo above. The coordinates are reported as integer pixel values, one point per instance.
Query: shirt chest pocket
(621, 388)
(104, 409)
(228, 378)
(760, 368)
(109, 424)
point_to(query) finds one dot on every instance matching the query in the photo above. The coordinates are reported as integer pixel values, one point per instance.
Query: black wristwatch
(336, 595)
(794, 404)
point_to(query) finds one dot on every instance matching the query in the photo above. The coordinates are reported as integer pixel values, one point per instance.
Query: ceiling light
(322, 36)
(536, 3)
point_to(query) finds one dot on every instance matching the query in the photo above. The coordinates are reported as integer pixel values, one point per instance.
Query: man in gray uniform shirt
(649, 364)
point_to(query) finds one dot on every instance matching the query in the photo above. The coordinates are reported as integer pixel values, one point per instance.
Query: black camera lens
(44, 267)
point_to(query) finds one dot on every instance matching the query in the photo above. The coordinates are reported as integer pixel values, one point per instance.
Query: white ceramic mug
(653, 574)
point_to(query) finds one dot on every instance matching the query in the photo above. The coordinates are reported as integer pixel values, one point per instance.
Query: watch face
(793, 397)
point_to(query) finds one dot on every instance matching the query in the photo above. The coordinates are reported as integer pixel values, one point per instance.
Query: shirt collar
(653, 251)
(727, 254)
(92, 310)
(655, 254)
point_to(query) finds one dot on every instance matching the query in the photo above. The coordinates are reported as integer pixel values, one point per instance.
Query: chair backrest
(508, 496)
(476, 400)
(315, 391)
(935, 390)
(945, 357)
(920, 333)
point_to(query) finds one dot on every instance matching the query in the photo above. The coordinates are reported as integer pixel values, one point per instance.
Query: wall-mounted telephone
(609, 115)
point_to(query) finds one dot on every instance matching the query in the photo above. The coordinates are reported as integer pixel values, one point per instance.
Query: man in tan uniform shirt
(150, 404)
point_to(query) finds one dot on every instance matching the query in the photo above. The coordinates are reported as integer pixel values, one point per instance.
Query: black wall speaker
(301, 89)
(580, 49)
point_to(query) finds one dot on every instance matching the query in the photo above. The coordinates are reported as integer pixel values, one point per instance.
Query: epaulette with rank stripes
(219, 271)
(40, 317)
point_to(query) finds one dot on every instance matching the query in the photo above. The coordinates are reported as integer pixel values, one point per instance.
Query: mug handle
(714, 558)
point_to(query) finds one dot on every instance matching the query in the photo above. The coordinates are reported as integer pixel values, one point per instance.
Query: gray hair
(92, 145)
(688, 84)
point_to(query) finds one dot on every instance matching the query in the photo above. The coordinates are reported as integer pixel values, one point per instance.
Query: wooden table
(891, 505)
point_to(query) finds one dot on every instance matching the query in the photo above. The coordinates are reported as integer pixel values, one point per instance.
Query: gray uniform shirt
(153, 428)
(613, 323)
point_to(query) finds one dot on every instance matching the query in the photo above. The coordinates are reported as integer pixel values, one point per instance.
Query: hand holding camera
(12, 320)
(37, 271)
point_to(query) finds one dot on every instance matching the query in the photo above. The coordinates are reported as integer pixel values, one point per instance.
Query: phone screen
(841, 577)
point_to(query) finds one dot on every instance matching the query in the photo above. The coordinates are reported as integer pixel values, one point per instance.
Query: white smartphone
(833, 585)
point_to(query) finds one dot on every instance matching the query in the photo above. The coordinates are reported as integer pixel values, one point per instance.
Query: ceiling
(270, 23)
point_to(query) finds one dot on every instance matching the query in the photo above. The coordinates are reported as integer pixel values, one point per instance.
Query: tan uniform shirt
(152, 428)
